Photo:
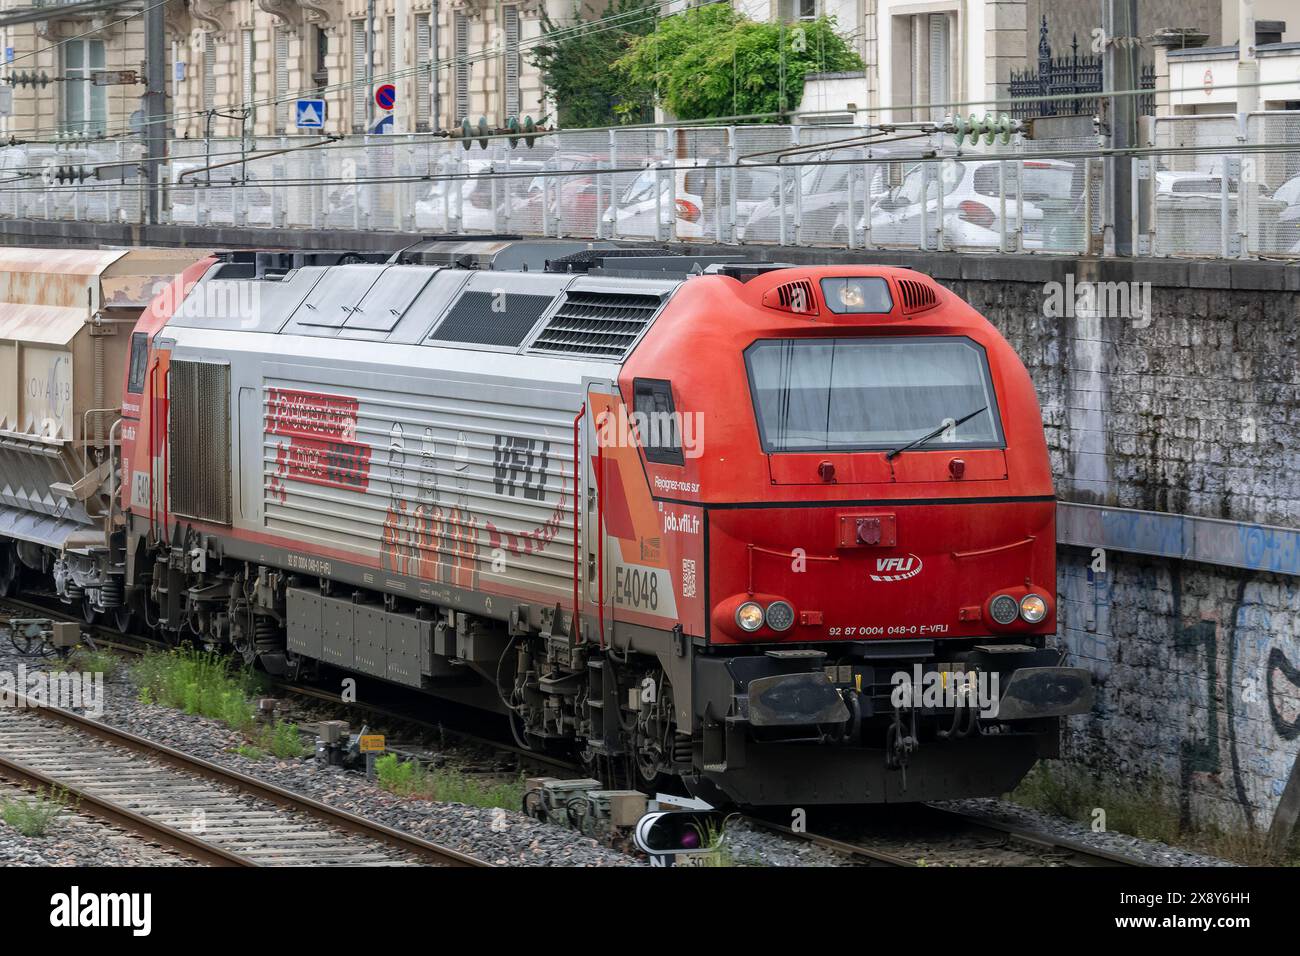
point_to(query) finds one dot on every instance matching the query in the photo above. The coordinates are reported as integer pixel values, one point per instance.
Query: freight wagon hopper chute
(65, 343)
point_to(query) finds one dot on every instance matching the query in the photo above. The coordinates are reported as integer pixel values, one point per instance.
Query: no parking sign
(386, 96)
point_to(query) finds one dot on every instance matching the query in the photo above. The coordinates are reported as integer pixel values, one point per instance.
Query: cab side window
(139, 362)
(656, 421)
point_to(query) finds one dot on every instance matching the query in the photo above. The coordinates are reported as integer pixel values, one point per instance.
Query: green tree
(577, 65)
(711, 61)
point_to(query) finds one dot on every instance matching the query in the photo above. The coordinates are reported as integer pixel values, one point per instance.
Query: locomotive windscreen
(868, 394)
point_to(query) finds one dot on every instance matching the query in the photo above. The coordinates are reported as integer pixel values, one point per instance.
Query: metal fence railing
(1221, 186)
(1202, 192)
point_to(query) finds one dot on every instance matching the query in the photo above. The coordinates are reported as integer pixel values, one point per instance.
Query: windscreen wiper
(934, 434)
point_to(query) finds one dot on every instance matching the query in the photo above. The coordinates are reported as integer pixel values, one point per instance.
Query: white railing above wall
(789, 185)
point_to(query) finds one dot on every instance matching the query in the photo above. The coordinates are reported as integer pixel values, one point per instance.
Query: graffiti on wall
(1199, 679)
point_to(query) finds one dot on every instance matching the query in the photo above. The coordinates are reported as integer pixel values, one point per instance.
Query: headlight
(780, 616)
(1004, 609)
(749, 616)
(1033, 608)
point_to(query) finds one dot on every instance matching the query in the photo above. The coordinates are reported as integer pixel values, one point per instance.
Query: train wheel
(123, 619)
(88, 612)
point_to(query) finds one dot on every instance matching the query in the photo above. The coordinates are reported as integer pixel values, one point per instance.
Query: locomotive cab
(877, 524)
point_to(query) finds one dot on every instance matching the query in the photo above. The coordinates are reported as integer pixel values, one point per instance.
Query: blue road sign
(310, 114)
(386, 96)
(385, 125)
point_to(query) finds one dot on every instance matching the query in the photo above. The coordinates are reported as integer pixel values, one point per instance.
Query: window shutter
(939, 64)
(461, 56)
(281, 80)
(359, 90)
(423, 46)
(250, 87)
(512, 60)
(390, 65)
(209, 72)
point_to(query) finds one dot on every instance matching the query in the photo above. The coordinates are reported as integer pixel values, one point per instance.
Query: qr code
(688, 578)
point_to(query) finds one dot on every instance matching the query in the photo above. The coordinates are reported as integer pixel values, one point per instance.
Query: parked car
(1288, 192)
(1051, 198)
(1189, 214)
(822, 204)
(693, 203)
(570, 201)
(459, 200)
(223, 196)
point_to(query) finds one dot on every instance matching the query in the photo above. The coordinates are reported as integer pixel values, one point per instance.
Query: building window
(209, 72)
(423, 78)
(791, 10)
(281, 80)
(85, 106)
(391, 63)
(460, 55)
(320, 72)
(940, 59)
(359, 89)
(249, 49)
(511, 66)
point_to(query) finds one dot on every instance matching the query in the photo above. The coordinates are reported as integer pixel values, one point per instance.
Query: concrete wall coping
(1221, 274)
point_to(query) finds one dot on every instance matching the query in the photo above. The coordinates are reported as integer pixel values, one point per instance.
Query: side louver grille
(796, 297)
(917, 296)
(198, 434)
(599, 324)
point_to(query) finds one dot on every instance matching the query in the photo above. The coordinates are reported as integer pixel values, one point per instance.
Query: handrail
(751, 548)
(576, 628)
(600, 537)
(961, 555)
(112, 472)
(85, 430)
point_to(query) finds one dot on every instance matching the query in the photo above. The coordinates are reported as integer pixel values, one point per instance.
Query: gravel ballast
(498, 836)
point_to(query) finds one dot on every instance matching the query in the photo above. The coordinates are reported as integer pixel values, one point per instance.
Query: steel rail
(873, 857)
(1089, 855)
(197, 766)
(124, 817)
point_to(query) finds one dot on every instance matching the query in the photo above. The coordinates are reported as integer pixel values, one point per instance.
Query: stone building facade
(237, 66)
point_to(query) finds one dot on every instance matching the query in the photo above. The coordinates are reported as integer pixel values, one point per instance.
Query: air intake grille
(491, 318)
(199, 441)
(917, 296)
(796, 297)
(599, 324)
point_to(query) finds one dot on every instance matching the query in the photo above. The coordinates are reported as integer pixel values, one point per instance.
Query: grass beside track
(409, 778)
(1144, 810)
(211, 685)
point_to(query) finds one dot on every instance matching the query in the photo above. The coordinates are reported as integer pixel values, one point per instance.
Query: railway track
(109, 638)
(212, 814)
(953, 835)
(989, 836)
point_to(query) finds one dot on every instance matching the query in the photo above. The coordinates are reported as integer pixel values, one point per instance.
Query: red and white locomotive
(784, 533)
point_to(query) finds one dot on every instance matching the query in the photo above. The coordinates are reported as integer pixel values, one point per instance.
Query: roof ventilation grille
(603, 325)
